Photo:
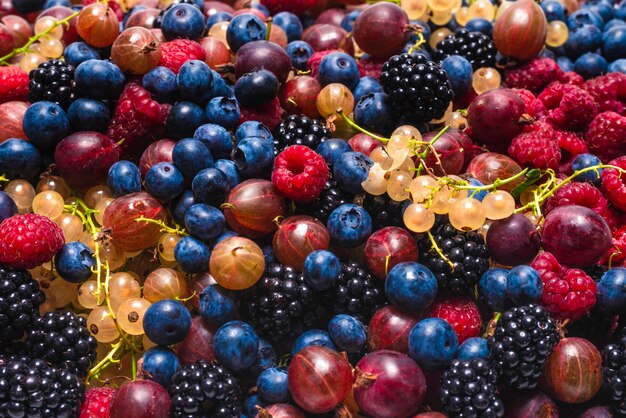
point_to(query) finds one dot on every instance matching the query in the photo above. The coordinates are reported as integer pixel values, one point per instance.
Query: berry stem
(3, 179)
(494, 186)
(438, 250)
(358, 128)
(164, 227)
(268, 25)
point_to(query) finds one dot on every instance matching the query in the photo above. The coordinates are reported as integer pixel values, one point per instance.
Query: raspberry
(138, 120)
(609, 91)
(13, 84)
(606, 136)
(113, 5)
(527, 97)
(567, 293)
(617, 253)
(582, 194)
(178, 51)
(371, 66)
(613, 185)
(568, 107)
(460, 312)
(572, 78)
(269, 114)
(536, 146)
(97, 403)
(300, 173)
(571, 145)
(29, 240)
(534, 75)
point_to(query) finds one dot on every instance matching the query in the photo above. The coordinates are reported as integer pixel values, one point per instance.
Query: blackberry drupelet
(466, 250)
(416, 87)
(52, 81)
(383, 210)
(468, 389)
(20, 298)
(596, 271)
(33, 388)
(299, 130)
(280, 305)
(476, 47)
(205, 389)
(330, 199)
(356, 292)
(63, 340)
(614, 372)
(523, 339)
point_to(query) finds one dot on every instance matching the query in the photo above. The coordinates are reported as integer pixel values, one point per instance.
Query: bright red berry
(567, 106)
(606, 136)
(572, 78)
(534, 75)
(97, 403)
(536, 147)
(300, 173)
(617, 253)
(609, 91)
(571, 145)
(567, 293)
(460, 312)
(613, 184)
(29, 240)
(13, 84)
(178, 51)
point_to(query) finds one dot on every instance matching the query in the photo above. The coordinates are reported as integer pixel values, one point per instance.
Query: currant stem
(495, 184)
(3, 179)
(438, 250)
(268, 25)
(164, 228)
(358, 128)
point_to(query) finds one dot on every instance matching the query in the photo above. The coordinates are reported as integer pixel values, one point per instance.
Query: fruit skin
(348, 333)
(88, 114)
(183, 21)
(14, 84)
(390, 22)
(294, 6)
(567, 107)
(19, 159)
(99, 79)
(97, 403)
(272, 385)
(349, 225)
(147, 398)
(312, 338)
(198, 344)
(433, 344)
(22, 298)
(611, 294)
(321, 268)
(460, 312)
(29, 240)
(513, 241)
(388, 247)
(244, 28)
(159, 364)
(411, 286)
(536, 147)
(350, 170)
(573, 372)
(530, 404)
(520, 32)
(296, 238)
(524, 285)
(166, 322)
(74, 262)
(389, 329)
(256, 88)
(475, 347)
(535, 75)
(492, 289)
(236, 345)
(605, 136)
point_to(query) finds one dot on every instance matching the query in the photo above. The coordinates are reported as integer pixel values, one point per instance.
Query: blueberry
(160, 364)
(312, 337)
(332, 148)
(164, 181)
(79, 52)
(481, 25)
(192, 255)
(236, 344)
(554, 10)
(365, 86)
(184, 119)
(45, 124)
(182, 205)
(614, 43)
(272, 385)
(583, 161)
(374, 112)
(183, 21)
(472, 348)
(524, 285)
(89, 115)
(591, 65)
(256, 88)
(620, 12)
(583, 17)
(229, 168)
(195, 79)
(216, 138)
(350, 170)
(411, 286)
(74, 262)
(583, 39)
(347, 23)
(265, 358)
(210, 186)
(565, 64)
(217, 18)
(459, 72)
(205, 222)
(244, 28)
(349, 225)
(338, 67)
(27, 6)
(191, 156)
(166, 322)
(8, 207)
(220, 87)
(216, 304)
(321, 269)
(99, 79)
(162, 83)
(492, 289)
(613, 23)
(251, 403)
(601, 7)
(611, 294)
(299, 52)
(124, 178)
(19, 159)
(223, 111)
(253, 128)
(52, 3)
(433, 344)
(618, 66)
(254, 157)
(225, 235)
(290, 23)
(348, 333)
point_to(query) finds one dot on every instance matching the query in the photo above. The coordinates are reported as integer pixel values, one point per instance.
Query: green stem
(268, 31)
(495, 184)
(164, 228)
(358, 128)
(3, 179)
(133, 365)
(438, 250)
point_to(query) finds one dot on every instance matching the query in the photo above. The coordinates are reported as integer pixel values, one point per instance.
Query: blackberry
(383, 210)
(205, 389)
(416, 86)
(299, 130)
(614, 373)
(468, 389)
(33, 388)
(356, 292)
(523, 339)
(330, 199)
(20, 298)
(52, 81)
(596, 271)
(280, 305)
(466, 250)
(63, 340)
(476, 47)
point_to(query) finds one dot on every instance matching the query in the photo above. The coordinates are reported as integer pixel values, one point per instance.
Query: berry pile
(290, 209)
